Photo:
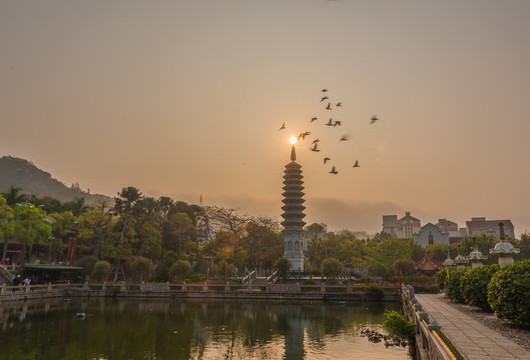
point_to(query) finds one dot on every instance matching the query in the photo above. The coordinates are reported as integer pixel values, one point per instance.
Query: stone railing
(282, 291)
(431, 343)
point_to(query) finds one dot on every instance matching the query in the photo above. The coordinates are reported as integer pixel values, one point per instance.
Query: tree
(6, 225)
(63, 226)
(124, 207)
(225, 270)
(14, 196)
(95, 228)
(182, 230)
(381, 257)
(282, 267)
(179, 270)
(229, 221)
(331, 268)
(30, 226)
(404, 268)
(262, 243)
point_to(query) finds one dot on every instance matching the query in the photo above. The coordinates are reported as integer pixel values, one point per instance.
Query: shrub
(375, 291)
(440, 278)
(509, 292)
(141, 267)
(398, 327)
(452, 285)
(282, 266)
(87, 263)
(474, 285)
(179, 270)
(309, 282)
(101, 271)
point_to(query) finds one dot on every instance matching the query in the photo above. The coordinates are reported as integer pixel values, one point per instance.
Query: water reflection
(201, 329)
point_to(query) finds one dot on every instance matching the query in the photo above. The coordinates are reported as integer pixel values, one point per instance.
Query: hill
(32, 180)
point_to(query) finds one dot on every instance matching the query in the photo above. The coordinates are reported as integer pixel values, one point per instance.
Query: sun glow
(292, 140)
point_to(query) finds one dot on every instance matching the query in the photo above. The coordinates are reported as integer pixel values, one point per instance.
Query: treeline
(142, 238)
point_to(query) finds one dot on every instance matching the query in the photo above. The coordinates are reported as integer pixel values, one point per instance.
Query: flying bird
(316, 140)
(326, 159)
(333, 171)
(373, 119)
(303, 135)
(339, 104)
(324, 90)
(324, 98)
(337, 123)
(328, 107)
(330, 122)
(356, 164)
(313, 118)
(314, 148)
(283, 127)
(344, 138)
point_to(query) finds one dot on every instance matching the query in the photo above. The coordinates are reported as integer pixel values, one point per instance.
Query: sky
(183, 98)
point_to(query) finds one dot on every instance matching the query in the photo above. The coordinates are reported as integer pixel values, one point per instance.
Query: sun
(292, 140)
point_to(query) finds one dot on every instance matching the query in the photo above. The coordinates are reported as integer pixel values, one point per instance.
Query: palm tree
(14, 196)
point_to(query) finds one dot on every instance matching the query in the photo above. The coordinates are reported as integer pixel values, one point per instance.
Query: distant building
(391, 225)
(403, 228)
(431, 234)
(451, 228)
(480, 225)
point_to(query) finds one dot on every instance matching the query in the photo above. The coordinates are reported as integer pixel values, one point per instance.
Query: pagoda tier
(293, 208)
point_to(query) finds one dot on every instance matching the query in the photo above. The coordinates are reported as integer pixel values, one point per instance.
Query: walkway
(473, 340)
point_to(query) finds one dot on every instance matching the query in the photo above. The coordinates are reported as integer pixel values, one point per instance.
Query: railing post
(86, 285)
(205, 286)
(322, 288)
(3, 290)
(49, 287)
(183, 287)
(123, 286)
(227, 287)
(104, 286)
(348, 288)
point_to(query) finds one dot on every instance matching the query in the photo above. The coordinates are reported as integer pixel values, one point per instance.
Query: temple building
(428, 266)
(293, 225)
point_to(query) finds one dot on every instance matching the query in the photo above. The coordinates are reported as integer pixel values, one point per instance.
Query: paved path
(473, 340)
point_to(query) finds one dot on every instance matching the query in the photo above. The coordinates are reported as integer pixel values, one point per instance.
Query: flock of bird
(376, 337)
(331, 123)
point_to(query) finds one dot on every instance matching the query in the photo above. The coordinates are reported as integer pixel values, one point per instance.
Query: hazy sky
(182, 98)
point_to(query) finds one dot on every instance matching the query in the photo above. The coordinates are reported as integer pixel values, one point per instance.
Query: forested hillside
(34, 181)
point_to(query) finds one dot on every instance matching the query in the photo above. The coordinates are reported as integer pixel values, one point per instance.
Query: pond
(191, 329)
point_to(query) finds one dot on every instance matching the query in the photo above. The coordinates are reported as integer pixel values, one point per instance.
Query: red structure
(429, 266)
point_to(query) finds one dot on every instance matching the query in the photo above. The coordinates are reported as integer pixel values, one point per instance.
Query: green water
(184, 329)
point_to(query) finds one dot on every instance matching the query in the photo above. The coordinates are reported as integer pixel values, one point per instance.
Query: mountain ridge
(34, 181)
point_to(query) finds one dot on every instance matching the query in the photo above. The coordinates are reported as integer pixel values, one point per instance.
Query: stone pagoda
(460, 260)
(448, 262)
(476, 257)
(293, 225)
(504, 249)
